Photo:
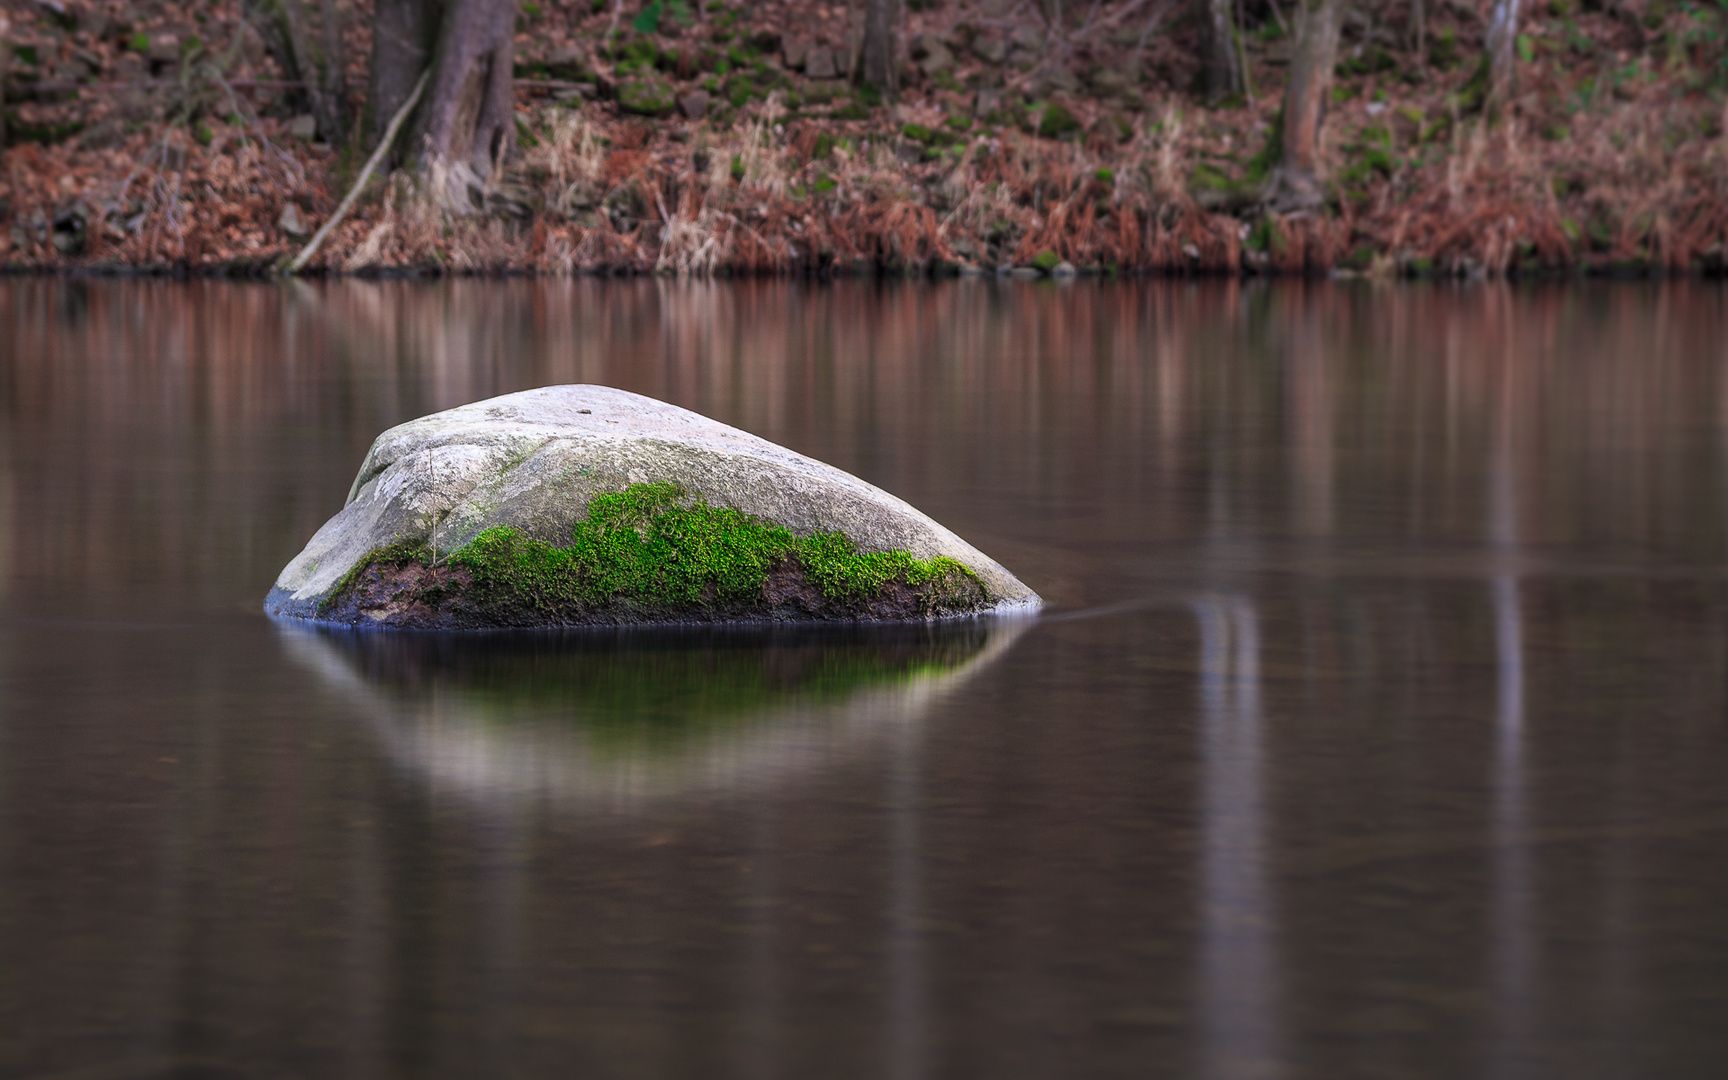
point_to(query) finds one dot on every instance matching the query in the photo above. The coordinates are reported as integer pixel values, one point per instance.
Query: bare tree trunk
(1296, 184)
(1502, 50)
(5, 53)
(466, 122)
(1221, 63)
(283, 27)
(1418, 30)
(469, 116)
(878, 65)
(404, 35)
(334, 70)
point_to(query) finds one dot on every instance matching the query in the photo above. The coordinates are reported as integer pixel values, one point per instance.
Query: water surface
(1375, 729)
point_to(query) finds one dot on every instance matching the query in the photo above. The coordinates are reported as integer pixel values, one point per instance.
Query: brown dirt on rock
(409, 595)
(414, 596)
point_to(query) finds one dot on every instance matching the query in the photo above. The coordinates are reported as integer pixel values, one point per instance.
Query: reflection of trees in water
(245, 408)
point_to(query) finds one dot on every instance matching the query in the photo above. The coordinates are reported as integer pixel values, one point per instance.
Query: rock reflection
(615, 717)
(1238, 984)
(1512, 962)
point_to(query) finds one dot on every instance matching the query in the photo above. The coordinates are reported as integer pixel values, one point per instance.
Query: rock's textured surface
(513, 478)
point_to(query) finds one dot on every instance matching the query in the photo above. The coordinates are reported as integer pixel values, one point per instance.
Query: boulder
(992, 48)
(822, 91)
(1027, 40)
(1107, 81)
(585, 505)
(647, 96)
(694, 105)
(1057, 80)
(568, 63)
(932, 54)
(163, 49)
(291, 223)
(793, 52)
(819, 64)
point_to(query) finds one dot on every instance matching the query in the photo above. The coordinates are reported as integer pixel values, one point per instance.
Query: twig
(365, 174)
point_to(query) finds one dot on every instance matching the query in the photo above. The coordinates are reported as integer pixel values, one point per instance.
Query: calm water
(1376, 727)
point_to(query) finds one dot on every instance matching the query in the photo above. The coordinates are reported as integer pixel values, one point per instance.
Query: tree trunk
(1221, 62)
(404, 34)
(5, 53)
(283, 26)
(1502, 51)
(466, 122)
(334, 69)
(1296, 181)
(877, 63)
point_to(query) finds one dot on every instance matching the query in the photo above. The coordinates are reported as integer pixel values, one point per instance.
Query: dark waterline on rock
(1375, 727)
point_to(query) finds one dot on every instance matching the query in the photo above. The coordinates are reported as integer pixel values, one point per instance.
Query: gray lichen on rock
(583, 504)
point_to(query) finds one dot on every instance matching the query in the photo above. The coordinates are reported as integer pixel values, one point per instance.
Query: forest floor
(149, 136)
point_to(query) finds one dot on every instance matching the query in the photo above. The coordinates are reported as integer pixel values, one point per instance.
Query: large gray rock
(533, 460)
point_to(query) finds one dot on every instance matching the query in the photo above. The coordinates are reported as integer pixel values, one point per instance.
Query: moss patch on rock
(647, 96)
(650, 553)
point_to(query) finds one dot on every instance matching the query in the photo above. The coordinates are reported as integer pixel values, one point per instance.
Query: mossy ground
(650, 553)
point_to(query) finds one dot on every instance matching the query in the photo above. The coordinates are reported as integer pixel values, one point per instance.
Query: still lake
(1377, 725)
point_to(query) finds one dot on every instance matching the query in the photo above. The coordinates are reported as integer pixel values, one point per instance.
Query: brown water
(1376, 727)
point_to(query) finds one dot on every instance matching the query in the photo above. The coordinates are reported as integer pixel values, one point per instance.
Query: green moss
(1046, 261)
(1265, 236)
(647, 21)
(1057, 122)
(1443, 50)
(648, 96)
(1370, 154)
(645, 546)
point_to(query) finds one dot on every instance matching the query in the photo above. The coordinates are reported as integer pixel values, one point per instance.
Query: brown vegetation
(1081, 141)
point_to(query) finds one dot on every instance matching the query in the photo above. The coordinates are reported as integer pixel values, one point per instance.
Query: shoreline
(269, 270)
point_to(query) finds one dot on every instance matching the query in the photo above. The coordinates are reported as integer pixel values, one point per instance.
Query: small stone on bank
(819, 64)
(291, 222)
(694, 106)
